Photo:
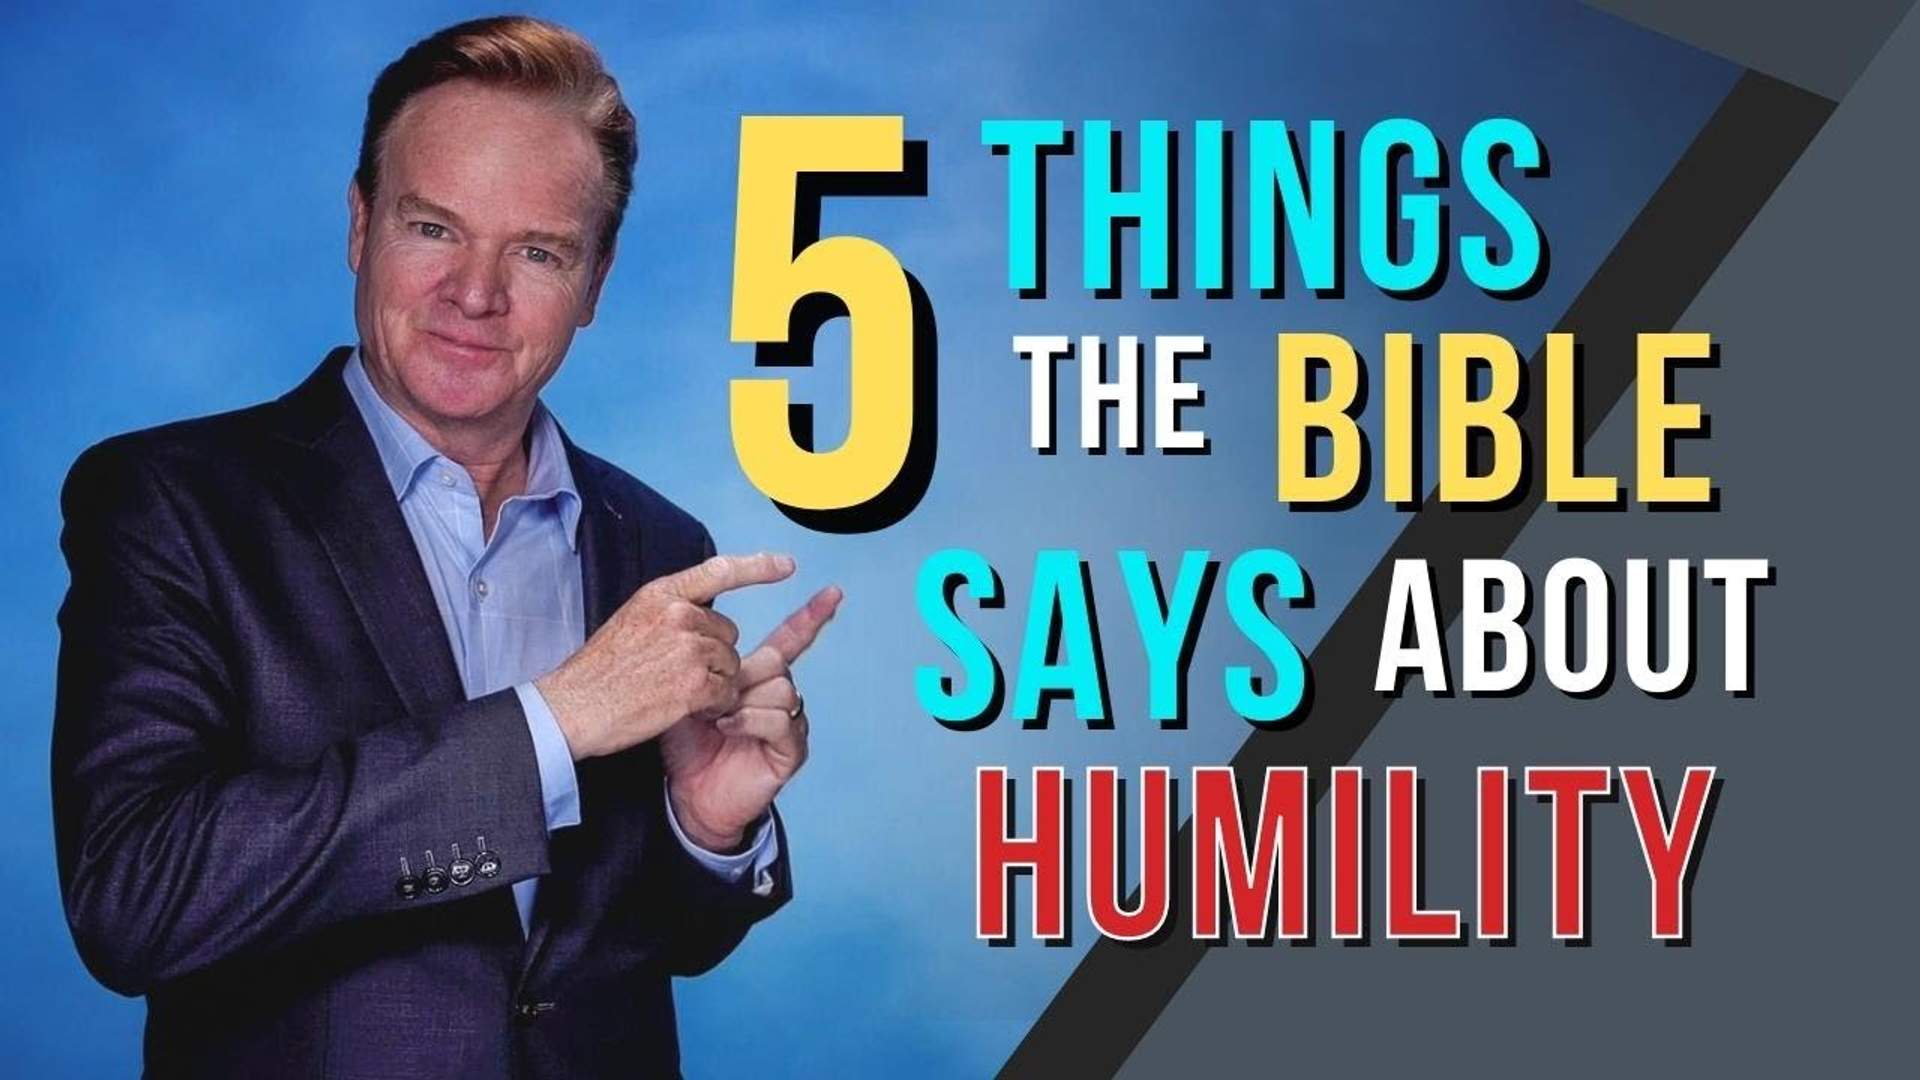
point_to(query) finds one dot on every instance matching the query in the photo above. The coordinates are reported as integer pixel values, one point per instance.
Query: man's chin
(461, 398)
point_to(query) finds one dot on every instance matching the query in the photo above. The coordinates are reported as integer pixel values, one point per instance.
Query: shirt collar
(405, 454)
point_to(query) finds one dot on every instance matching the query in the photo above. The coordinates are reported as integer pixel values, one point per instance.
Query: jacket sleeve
(709, 916)
(177, 847)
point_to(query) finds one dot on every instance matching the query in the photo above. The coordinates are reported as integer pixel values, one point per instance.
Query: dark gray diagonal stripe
(1645, 284)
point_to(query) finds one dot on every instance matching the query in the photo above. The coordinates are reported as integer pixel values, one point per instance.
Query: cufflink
(408, 886)
(487, 864)
(460, 869)
(434, 878)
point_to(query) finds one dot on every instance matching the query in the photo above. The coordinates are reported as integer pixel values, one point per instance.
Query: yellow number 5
(771, 279)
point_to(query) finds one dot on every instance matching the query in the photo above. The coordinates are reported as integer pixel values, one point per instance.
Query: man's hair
(513, 52)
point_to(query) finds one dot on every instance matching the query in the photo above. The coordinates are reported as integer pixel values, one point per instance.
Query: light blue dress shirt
(511, 603)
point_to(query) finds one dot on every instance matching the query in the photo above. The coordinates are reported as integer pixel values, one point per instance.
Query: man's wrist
(751, 865)
(553, 691)
(711, 840)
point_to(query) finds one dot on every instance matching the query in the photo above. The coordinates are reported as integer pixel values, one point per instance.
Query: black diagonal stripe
(1645, 284)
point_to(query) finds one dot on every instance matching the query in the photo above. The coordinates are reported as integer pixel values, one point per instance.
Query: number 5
(771, 279)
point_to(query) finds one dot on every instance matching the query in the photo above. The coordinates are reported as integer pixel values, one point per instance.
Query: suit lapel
(334, 473)
(612, 561)
(612, 566)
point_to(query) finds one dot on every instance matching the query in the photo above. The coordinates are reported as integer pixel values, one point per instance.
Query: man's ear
(357, 214)
(599, 279)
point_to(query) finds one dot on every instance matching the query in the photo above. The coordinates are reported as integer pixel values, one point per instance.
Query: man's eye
(542, 256)
(430, 230)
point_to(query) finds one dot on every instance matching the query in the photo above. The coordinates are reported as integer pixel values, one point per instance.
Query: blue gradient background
(176, 181)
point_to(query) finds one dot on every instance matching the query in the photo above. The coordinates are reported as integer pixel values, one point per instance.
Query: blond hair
(514, 52)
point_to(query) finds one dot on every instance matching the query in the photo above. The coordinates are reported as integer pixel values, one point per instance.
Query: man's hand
(661, 659)
(723, 773)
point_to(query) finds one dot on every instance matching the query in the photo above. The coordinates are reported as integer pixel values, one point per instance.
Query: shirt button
(446, 478)
(480, 589)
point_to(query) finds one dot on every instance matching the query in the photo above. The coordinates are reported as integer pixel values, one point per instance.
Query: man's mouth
(466, 347)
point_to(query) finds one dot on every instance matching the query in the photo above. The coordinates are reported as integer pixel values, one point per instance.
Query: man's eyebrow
(414, 204)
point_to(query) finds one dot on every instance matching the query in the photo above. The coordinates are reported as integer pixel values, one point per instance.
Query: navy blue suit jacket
(259, 715)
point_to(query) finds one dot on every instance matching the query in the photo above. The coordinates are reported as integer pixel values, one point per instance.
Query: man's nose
(478, 285)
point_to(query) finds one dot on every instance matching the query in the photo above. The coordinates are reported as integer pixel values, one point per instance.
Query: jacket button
(460, 870)
(409, 885)
(433, 877)
(486, 863)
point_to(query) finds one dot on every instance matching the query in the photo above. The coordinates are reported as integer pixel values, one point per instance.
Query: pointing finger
(782, 647)
(760, 666)
(724, 573)
(796, 633)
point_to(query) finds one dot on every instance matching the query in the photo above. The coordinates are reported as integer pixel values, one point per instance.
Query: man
(395, 734)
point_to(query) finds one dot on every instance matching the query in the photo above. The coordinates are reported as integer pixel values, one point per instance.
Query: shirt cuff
(755, 862)
(559, 787)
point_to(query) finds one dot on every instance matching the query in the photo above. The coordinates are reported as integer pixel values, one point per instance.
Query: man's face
(478, 257)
